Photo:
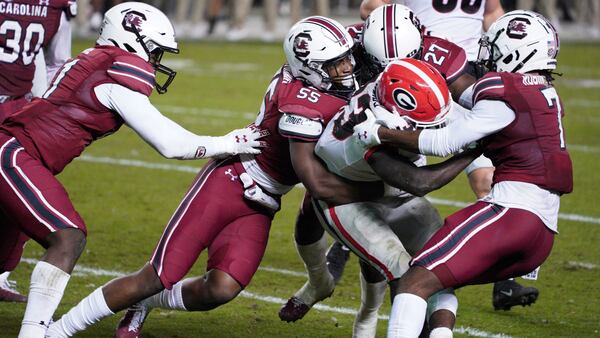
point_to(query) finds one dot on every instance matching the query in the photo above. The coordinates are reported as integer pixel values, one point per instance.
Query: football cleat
(337, 256)
(133, 321)
(509, 293)
(299, 304)
(9, 293)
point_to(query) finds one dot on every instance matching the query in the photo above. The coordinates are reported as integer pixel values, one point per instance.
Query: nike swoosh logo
(508, 293)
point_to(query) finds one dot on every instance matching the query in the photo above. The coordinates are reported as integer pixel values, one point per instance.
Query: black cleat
(509, 293)
(337, 256)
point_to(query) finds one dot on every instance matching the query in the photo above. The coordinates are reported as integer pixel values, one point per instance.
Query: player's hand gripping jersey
(26, 26)
(290, 110)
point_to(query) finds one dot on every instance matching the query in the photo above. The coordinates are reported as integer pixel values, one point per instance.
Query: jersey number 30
(17, 43)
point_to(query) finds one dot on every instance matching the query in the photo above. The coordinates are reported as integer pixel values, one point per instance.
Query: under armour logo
(239, 139)
(44, 2)
(230, 173)
(362, 135)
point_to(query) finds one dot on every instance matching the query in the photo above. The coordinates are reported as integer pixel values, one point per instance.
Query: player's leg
(11, 249)
(311, 244)
(175, 253)
(40, 207)
(372, 293)
(480, 244)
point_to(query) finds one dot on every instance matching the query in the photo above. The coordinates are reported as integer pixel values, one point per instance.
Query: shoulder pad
(489, 87)
(300, 127)
(448, 58)
(133, 73)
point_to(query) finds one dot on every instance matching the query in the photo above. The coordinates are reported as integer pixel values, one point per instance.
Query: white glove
(365, 133)
(255, 194)
(391, 120)
(239, 141)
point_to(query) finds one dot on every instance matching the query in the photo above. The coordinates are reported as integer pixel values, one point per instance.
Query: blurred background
(269, 20)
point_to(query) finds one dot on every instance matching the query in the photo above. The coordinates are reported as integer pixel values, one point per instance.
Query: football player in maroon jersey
(29, 26)
(511, 231)
(300, 99)
(92, 96)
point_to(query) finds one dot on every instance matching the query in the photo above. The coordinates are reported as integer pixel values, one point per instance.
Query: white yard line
(189, 169)
(583, 265)
(89, 271)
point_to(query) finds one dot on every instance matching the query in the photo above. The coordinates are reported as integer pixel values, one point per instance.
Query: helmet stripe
(417, 70)
(332, 28)
(388, 18)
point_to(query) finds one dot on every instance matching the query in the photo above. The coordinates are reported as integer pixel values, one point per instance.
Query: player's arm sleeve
(487, 117)
(59, 49)
(167, 137)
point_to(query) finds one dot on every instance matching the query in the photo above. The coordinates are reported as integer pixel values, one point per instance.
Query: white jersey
(342, 155)
(458, 21)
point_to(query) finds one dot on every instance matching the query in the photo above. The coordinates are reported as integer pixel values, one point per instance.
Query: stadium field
(126, 193)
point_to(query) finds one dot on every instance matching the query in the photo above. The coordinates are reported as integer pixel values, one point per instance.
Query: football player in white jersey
(387, 231)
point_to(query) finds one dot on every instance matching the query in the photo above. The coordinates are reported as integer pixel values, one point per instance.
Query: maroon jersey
(356, 31)
(288, 95)
(532, 148)
(447, 57)
(56, 128)
(25, 27)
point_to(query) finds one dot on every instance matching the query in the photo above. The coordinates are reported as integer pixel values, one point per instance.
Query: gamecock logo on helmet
(301, 45)
(133, 19)
(517, 28)
(404, 99)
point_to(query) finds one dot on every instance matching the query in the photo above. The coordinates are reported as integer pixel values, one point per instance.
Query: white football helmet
(313, 45)
(392, 32)
(142, 30)
(519, 42)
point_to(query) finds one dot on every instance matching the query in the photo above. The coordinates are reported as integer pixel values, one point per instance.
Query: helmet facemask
(339, 84)
(155, 53)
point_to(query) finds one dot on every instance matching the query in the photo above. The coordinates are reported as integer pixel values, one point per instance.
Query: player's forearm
(418, 181)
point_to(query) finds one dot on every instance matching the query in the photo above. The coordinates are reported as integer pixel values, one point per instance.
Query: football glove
(239, 141)
(391, 120)
(365, 133)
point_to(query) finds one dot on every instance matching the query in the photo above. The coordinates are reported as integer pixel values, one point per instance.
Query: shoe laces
(138, 317)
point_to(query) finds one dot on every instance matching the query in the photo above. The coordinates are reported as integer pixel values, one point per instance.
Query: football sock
(167, 299)
(371, 298)
(89, 311)
(320, 282)
(407, 316)
(440, 332)
(47, 286)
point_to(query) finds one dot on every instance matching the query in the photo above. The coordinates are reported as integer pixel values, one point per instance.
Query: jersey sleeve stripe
(486, 89)
(132, 66)
(135, 71)
(458, 72)
(151, 85)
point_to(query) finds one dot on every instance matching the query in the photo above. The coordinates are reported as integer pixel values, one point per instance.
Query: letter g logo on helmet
(404, 99)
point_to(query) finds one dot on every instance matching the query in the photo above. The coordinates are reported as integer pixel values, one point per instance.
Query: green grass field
(126, 199)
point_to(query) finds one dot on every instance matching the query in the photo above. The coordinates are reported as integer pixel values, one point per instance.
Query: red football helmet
(415, 90)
